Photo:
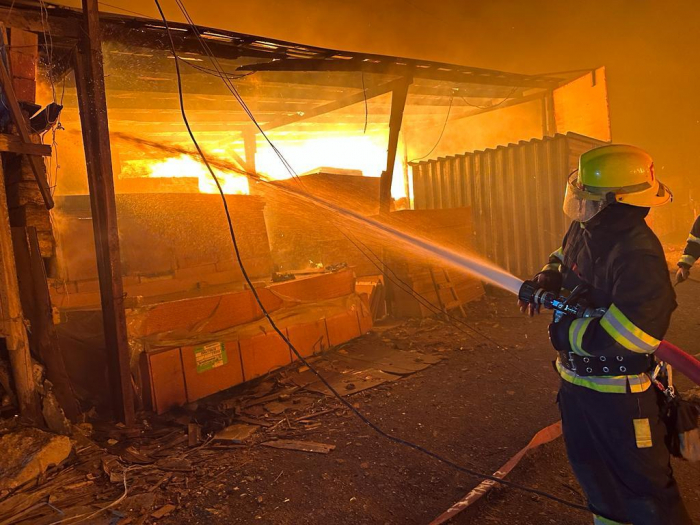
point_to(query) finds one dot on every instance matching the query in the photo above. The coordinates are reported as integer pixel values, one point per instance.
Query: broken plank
(253, 421)
(163, 511)
(271, 397)
(304, 418)
(13, 144)
(303, 446)
(236, 433)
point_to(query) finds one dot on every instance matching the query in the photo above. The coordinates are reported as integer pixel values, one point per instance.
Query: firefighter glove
(550, 280)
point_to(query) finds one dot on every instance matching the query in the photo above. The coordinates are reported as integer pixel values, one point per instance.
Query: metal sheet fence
(515, 192)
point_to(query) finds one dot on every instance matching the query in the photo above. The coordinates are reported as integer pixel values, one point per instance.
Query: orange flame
(186, 166)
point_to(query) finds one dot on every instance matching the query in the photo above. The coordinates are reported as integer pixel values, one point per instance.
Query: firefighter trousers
(616, 447)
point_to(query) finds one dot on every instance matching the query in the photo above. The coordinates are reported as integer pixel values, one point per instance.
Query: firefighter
(611, 414)
(690, 254)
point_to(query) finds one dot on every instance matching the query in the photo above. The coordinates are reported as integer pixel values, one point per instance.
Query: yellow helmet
(613, 173)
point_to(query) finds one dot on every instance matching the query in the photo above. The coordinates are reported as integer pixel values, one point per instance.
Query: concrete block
(309, 338)
(342, 327)
(262, 354)
(211, 367)
(27, 453)
(165, 379)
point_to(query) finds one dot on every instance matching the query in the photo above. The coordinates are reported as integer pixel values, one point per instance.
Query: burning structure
(145, 289)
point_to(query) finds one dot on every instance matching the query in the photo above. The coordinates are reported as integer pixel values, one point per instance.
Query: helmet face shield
(582, 205)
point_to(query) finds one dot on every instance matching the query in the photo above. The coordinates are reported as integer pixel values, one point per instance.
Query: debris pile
(146, 472)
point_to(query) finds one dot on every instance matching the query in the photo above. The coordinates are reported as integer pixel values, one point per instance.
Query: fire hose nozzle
(527, 291)
(532, 292)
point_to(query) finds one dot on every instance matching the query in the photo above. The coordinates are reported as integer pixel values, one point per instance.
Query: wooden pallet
(444, 285)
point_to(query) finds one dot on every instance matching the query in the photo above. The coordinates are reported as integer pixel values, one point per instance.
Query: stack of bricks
(24, 55)
(25, 203)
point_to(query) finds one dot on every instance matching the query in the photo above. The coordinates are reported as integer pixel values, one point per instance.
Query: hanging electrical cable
(442, 132)
(381, 266)
(274, 326)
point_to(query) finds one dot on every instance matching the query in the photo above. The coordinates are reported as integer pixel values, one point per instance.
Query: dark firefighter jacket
(692, 248)
(621, 260)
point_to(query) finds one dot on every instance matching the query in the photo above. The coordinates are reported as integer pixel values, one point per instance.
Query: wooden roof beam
(412, 68)
(338, 104)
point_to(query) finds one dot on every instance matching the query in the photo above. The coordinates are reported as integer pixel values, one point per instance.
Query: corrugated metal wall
(515, 193)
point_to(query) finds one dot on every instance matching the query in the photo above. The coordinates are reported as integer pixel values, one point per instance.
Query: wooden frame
(92, 102)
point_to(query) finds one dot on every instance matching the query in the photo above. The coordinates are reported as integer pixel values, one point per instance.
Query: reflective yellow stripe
(639, 383)
(558, 253)
(642, 433)
(693, 238)
(554, 265)
(626, 333)
(600, 520)
(687, 259)
(576, 332)
(609, 385)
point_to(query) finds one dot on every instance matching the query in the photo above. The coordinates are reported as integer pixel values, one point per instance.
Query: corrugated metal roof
(215, 23)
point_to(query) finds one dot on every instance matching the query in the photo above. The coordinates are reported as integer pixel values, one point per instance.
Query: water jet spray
(527, 291)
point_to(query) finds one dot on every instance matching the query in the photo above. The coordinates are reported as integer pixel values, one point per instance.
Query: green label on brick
(210, 355)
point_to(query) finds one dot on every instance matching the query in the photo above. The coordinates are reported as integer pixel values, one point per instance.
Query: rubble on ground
(144, 473)
(27, 453)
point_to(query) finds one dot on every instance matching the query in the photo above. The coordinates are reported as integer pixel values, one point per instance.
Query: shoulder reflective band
(693, 238)
(687, 259)
(626, 333)
(576, 332)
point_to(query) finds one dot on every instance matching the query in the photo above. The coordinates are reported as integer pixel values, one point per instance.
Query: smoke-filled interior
(300, 140)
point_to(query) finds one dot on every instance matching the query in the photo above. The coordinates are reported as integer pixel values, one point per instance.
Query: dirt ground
(478, 407)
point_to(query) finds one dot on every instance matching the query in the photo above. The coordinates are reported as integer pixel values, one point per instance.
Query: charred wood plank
(92, 105)
(398, 103)
(12, 325)
(36, 304)
(13, 144)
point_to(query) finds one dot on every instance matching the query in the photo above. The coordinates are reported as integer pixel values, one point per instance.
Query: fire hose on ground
(667, 352)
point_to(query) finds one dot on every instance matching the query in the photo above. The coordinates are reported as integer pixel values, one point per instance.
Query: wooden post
(12, 320)
(549, 123)
(92, 104)
(36, 305)
(398, 102)
(406, 176)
